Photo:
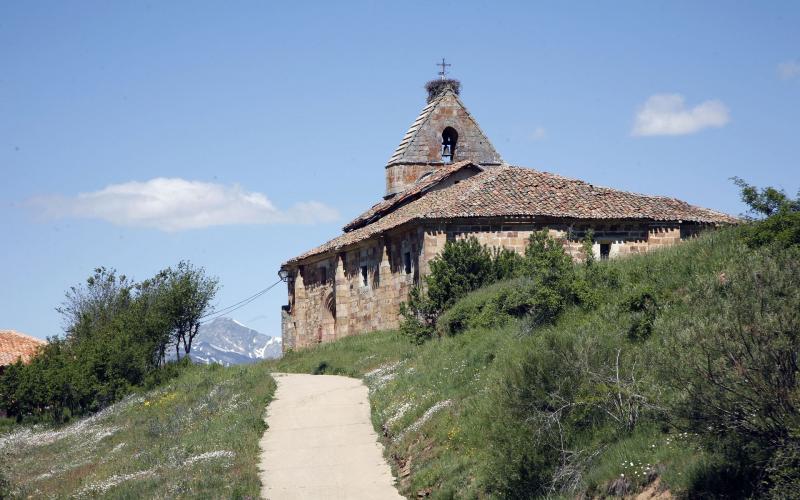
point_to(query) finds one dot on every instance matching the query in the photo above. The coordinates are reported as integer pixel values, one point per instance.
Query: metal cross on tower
(444, 66)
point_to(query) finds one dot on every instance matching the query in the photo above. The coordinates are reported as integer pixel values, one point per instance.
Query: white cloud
(539, 134)
(666, 114)
(177, 204)
(788, 70)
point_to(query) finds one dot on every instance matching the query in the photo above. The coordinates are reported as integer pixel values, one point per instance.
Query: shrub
(736, 358)
(490, 306)
(547, 285)
(463, 266)
(560, 398)
(782, 229)
(419, 315)
(642, 307)
(782, 223)
(505, 263)
(5, 484)
(546, 260)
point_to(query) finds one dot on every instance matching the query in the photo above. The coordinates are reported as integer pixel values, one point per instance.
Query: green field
(194, 437)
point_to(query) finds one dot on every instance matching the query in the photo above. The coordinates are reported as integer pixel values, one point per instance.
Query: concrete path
(320, 443)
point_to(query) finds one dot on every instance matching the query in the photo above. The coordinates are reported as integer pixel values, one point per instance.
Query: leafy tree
(97, 301)
(463, 266)
(187, 295)
(780, 223)
(767, 201)
(117, 332)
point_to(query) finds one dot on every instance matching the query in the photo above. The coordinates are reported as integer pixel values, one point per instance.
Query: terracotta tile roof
(422, 185)
(14, 345)
(508, 191)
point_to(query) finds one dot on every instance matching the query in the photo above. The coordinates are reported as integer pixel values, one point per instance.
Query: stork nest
(436, 87)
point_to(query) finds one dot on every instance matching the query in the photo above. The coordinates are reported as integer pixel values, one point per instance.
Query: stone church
(447, 181)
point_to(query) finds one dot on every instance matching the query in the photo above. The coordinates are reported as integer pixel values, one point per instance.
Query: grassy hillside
(599, 402)
(673, 370)
(196, 436)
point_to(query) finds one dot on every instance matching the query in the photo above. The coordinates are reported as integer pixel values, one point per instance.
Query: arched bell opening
(449, 141)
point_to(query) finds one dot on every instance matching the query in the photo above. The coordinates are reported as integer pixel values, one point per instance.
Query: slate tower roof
(425, 145)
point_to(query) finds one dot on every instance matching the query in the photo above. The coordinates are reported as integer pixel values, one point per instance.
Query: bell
(446, 150)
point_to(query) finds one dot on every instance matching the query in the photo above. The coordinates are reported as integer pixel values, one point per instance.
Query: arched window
(449, 140)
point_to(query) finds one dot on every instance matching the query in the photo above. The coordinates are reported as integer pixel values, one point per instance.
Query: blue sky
(237, 135)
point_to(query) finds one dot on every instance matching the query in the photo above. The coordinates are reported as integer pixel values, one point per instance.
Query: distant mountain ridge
(228, 342)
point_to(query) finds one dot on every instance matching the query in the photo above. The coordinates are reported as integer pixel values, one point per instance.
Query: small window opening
(407, 262)
(605, 251)
(449, 140)
(364, 274)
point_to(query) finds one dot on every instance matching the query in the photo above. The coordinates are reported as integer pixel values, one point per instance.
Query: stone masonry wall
(330, 298)
(359, 306)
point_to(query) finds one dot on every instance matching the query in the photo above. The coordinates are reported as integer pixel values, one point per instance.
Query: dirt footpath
(320, 443)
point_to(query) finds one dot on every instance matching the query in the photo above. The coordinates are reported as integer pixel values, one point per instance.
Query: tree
(97, 301)
(463, 266)
(780, 223)
(186, 298)
(117, 332)
(766, 201)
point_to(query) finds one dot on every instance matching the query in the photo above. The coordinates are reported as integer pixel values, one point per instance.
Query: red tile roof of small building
(508, 191)
(15, 345)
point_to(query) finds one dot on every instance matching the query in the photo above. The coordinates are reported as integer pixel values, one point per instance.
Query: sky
(236, 135)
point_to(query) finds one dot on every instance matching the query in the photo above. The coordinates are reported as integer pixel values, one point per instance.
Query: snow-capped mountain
(228, 342)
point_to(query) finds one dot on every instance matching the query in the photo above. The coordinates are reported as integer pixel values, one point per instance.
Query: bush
(782, 229)
(490, 306)
(736, 359)
(782, 223)
(5, 485)
(463, 266)
(642, 307)
(466, 265)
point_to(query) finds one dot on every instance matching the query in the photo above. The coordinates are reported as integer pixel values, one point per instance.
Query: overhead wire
(233, 307)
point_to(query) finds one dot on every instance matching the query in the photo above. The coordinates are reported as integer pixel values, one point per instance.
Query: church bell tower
(443, 133)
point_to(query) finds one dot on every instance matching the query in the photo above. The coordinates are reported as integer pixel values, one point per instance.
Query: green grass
(465, 416)
(351, 356)
(405, 382)
(195, 436)
(442, 407)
